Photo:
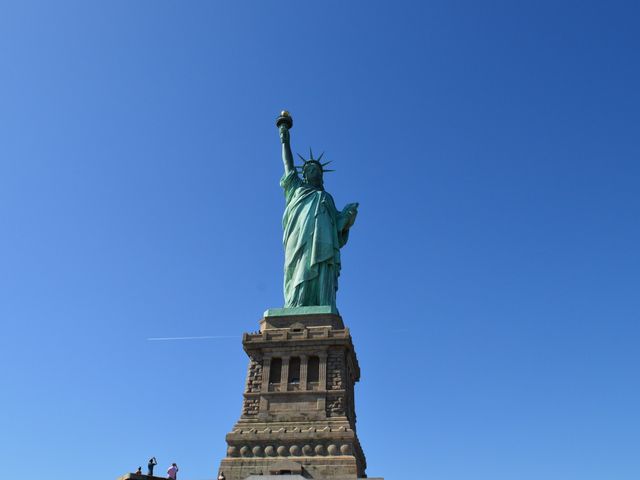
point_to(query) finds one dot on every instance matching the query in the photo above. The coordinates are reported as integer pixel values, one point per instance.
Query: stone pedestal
(298, 415)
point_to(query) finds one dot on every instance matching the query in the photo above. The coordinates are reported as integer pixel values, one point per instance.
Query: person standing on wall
(172, 471)
(152, 463)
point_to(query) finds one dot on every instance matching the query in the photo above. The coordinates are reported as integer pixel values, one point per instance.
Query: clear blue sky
(491, 281)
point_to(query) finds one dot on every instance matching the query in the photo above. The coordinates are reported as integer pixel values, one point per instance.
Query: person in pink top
(172, 471)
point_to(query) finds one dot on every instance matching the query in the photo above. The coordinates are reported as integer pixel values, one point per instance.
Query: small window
(313, 369)
(294, 370)
(275, 370)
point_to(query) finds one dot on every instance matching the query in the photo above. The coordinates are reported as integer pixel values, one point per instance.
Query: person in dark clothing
(152, 463)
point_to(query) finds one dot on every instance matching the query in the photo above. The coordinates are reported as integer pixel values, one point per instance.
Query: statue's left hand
(351, 212)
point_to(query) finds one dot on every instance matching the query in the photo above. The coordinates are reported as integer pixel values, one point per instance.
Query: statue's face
(313, 174)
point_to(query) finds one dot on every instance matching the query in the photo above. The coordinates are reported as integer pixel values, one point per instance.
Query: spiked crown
(317, 161)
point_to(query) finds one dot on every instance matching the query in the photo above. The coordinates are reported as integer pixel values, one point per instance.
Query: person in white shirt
(172, 471)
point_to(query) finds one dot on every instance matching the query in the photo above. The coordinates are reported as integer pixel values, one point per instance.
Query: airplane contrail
(205, 337)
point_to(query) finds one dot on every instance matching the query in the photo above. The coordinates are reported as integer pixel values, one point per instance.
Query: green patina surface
(314, 230)
(310, 310)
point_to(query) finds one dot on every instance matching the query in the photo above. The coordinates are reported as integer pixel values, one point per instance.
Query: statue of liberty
(314, 230)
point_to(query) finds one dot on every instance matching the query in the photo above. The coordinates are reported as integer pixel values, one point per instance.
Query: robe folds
(313, 233)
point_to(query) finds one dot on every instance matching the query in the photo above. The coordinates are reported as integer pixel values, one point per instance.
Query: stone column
(266, 369)
(303, 372)
(322, 385)
(284, 378)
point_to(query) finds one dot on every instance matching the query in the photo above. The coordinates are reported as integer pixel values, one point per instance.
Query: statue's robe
(314, 232)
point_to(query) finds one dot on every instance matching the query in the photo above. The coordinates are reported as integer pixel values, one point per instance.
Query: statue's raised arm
(284, 123)
(314, 229)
